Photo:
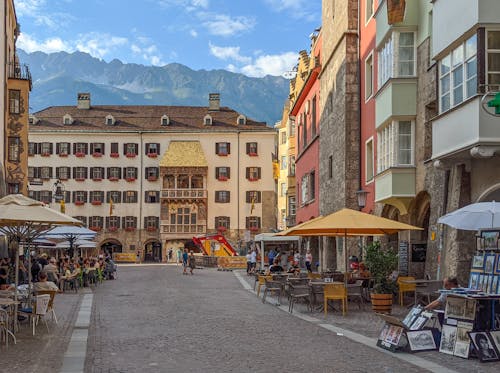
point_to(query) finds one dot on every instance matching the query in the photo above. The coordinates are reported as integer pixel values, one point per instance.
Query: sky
(253, 37)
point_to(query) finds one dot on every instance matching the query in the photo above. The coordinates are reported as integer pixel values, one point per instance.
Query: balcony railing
(184, 193)
(194, 228)
(19, 71)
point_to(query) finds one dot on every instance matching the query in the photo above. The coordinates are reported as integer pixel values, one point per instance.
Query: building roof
(184, 154)
(142, 118)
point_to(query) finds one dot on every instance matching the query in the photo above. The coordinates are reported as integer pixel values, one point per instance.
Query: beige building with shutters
(149, 178)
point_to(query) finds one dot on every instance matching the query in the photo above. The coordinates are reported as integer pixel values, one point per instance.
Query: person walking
(185, 258)
(253, 261)
(249, 262)
(179, 256)
(309, 259)
(192, 261)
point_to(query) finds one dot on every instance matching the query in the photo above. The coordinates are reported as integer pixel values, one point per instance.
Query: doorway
(153, 252)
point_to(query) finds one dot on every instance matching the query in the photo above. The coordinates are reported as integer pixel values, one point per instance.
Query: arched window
(67, 119)
(165, 120)
(207, 121)
(110, 120)
(242, 120)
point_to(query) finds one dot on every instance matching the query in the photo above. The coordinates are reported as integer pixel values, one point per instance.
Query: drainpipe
(141, 197)
(238, 187)
(359, 97)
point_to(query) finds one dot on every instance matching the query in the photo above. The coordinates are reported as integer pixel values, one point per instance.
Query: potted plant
(381, 263)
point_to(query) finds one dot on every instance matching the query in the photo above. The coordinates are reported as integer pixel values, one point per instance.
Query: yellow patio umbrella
(347, 222)
(287, 231)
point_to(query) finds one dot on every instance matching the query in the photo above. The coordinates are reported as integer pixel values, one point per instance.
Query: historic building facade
(149, 178)
(15, 79)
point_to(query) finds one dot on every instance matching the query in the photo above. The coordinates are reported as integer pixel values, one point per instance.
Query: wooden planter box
(382, 303)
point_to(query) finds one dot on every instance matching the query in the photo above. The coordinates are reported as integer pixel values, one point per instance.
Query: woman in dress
(191, 261)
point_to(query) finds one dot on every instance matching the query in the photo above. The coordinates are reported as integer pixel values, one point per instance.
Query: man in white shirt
(43, 284)
(253, 260)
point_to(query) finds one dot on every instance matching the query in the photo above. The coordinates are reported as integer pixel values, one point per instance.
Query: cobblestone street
(156, 320)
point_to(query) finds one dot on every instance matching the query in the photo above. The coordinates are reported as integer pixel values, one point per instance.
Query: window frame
(222, 196)
(388, 150)
(222, 221)
(371, 9)
(486, 59)
(369, 95)
(14, 147)
(369, 141)
(14, 102)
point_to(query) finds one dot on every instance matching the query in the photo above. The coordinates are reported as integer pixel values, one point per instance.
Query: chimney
(214, 101)
(83, 101)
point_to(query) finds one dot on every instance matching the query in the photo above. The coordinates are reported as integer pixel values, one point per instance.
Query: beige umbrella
(347, 222)
(26, 219)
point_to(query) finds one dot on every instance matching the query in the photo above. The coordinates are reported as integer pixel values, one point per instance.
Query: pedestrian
(179, 256)
(253, 261)
(284, 260)
(249, 262)
(296, 257)
(270, 257)
(309, 259)
(192, 261)
(185, 257)
(170, 255)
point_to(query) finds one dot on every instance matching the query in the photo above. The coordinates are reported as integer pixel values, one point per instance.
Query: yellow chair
(262, 282)
(405, 288)
(313, 276)
(335, 292)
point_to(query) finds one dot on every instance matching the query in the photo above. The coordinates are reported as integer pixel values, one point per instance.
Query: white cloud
(280, 5)
(224, 25)
(228, 53)
(189, 5)
(193, 33)
(271, 65)
(29, 44)
(298, 9)
(145, 48)
(99, 44)
(36, 9)
(231, 68)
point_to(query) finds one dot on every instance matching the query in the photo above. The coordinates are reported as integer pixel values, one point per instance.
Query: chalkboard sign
(418, 252)
(403, 258)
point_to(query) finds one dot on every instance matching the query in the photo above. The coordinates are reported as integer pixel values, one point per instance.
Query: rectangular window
(222, 222)
(13, 188)
(395, 145)
(283, 137)
(14, 146)
(83, 219)
(253, 222)
(369, 171)
(114, 173)
(396, 58)
(46, 172)
(222, 196)
(80, 148)
(97, 173)
(114, 195)
(291, 205)
(63, 173)
(152, 196)
(283, 189)
(97, 148)
(283, 162)
(46, 196)
(493, 57)
(32, 148)
(291, 164)
(253, 196)
(253, 173)
(151, 173)
(80, 173)
(79, 197)
(62, 148)
(312, 185)
(304, 130)
(14, 101)
(96, 197)
(96, 222)
(251, 148)
(151, 222)
(130, 196)
(368, 10)
(292, 127)
(129, 222)
(222, 148)
(222, 173)
(152, 149)
(114, 148)
(368, 77)
(130, 149)
(313, 118)
(113, 222)
(130, 173)
(458, 75)
(46, 148)
(406, 54)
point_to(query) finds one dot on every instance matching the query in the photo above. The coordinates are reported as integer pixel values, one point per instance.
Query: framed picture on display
(497, 265)
(480, 282)
(494, 285)
(455, 307)
(485, 282)
(490, 239)
(462, 344)
(411, 316)
(489, 263)
(470, 309)
(448, 339)
(484, 346)
(495, 337)
(478, 262)
(421, 340)
(474, 280)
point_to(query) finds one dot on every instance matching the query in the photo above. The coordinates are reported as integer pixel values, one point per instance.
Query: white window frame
(449, 76)
(369, 95)
(488, 51)
(369, 155)
(388, 58)
(388, 146)
(369, 10)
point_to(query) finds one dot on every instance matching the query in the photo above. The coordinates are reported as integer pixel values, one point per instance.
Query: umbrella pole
(345, 257)
(16, 327)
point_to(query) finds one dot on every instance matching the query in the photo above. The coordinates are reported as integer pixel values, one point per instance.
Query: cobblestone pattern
(157, 320)
(42, 353)
(365, 322)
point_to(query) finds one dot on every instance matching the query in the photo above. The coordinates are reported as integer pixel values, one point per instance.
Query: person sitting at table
(51, 270)
(3, 278)
(43, 284)
(361, 272)
(448, 284)
(294, 268)
(276, 266)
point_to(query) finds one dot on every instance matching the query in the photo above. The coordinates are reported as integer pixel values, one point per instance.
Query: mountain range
(58, 77)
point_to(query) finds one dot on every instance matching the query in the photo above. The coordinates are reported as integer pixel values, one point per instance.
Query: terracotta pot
(381, 303)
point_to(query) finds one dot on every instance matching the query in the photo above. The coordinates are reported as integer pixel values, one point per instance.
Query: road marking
(344, 333)
(74, 358)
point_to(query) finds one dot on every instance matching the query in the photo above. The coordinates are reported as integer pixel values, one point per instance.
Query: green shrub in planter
(381, 263)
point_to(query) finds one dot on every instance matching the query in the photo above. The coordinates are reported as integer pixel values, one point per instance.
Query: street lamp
(361, 196)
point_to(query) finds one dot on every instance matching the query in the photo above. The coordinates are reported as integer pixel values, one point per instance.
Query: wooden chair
(313, 276)
(405, 288)
(335, 292)
(50, 307)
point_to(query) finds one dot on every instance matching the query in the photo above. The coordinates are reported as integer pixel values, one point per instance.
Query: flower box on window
(222, 178)
(63, 178)
(97, 154)
(253, 179)
(79, 179)
(96, 203)
(151, 229)
(113, 178)
(95, 229)
(130, 229)
(79, 203)
(63, 154)
(130, 155)
(97, 178)
(114, 155)
(79, 154)
(45, 154)
(221, 229)
(152, 178)
(112, 229)
(130, 179)
(252, 154)
(222, 154)
(254, 229)
(152, 155)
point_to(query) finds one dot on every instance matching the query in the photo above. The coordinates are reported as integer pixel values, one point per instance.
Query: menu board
(403, 258)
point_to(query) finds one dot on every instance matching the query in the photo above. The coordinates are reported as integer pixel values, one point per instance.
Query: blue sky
(253, 37)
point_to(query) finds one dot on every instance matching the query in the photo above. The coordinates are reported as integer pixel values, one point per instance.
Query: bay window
(458, 75)
(493, 58)
(396, 58)
(395, 145)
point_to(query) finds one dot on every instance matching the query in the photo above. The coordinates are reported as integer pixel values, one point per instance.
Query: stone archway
(490, 194)
(391, 212)
(110, 246)
(153, 251)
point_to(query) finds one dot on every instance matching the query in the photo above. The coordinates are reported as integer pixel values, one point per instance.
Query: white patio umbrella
(71, 234)
(25, 219)
(481, 215)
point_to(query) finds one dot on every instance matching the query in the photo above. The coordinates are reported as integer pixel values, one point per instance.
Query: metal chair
(296, 292)
(356, 291)
(272, 286)
(5, 331)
